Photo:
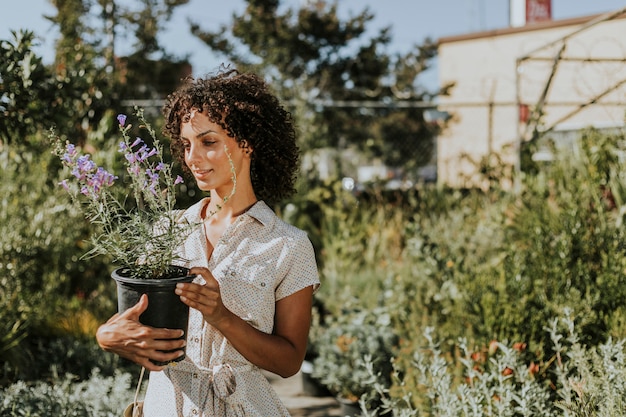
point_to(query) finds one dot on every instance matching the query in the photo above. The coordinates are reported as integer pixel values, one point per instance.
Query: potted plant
(341, 356)
(139, 228)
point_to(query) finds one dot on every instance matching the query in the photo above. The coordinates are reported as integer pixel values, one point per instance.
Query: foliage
(14, 315)
(70, 354)
(40, 243)
(498, 265)
(144, 239)
(98, 396)
(565, 241)
(22, 81)
(486, 265)
(87, 79)
(499, 381)
(359, 244)
(343, 347)
(480, 264)
(89, 33)
(34, 96)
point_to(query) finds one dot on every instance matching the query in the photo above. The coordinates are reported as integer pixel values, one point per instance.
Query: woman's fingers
(204, 298)
(146, 353)
(135, 311)
(165, 334)
(205, 273)
(139, 343)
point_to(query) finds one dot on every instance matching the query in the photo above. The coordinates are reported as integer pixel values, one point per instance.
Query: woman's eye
(208, 142)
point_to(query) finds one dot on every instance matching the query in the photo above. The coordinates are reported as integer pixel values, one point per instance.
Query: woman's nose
(192, 155)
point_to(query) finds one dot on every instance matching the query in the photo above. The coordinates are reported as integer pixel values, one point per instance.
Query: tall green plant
(360, 248)
(566, 240)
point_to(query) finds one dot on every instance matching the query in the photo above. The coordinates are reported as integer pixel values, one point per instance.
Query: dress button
(196, 339)
(233, 273)
(262, 284)
(194, 411)
(195, 375)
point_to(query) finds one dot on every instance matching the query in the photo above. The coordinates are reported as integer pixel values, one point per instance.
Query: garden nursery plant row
(498, 301)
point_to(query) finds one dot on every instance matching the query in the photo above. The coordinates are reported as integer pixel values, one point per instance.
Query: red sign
(524, 113)
(538, 10)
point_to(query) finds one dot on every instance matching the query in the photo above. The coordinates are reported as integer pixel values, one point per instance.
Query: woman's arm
(125, 336)
(281, 352)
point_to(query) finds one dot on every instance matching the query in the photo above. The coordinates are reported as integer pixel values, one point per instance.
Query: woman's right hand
(125, 336)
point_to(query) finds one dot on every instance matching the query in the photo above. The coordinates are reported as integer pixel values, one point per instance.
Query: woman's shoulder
(269, 217)
(291, 230)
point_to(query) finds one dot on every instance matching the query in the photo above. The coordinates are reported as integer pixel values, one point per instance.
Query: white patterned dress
(259, 260)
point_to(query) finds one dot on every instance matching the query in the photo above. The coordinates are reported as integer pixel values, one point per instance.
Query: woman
(251, 301)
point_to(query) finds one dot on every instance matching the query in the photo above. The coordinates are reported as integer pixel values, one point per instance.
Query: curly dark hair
(243, 105)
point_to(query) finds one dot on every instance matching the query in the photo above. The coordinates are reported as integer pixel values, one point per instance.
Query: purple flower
(178, 180)
(70, 154)
(96, 181)
(70, 148)
(84, 164)
(144, 153)
(76, 172)
(64, 185)
(131, 157)
(136, 142)
(102, 178)
(153, 175)
(134, 170)
(121, 119)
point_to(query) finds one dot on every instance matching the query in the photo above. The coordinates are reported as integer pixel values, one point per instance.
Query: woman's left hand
(206, 298)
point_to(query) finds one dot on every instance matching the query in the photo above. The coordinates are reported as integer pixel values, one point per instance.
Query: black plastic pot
(165, 310)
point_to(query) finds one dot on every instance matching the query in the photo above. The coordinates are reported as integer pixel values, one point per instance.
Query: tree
(149, 68)
(91, 30)
(35, 97)
(343, 83)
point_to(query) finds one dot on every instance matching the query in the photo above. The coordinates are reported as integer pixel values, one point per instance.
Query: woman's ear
(246, 147)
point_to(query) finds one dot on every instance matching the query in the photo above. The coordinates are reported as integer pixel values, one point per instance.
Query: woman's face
(207, 148)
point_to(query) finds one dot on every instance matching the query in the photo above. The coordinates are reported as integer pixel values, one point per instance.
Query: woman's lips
(201, 173)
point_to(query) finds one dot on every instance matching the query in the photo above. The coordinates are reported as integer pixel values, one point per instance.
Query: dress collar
(259, 211)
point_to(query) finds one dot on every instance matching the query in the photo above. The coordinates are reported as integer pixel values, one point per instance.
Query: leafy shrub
(484, 265)
(43, 282)
(576, 382)
(340, 364)
(60, 355)
(501, 265)
(73, 95)
(96, 397)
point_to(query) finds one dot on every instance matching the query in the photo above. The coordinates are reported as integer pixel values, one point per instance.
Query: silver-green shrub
(98, 396)
(576, 382)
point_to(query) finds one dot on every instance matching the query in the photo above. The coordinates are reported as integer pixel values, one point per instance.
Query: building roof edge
(528, 28)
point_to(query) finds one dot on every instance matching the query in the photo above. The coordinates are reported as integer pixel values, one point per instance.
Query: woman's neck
(219, 208)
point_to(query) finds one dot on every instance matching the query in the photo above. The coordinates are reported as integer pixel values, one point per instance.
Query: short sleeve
(302, 271)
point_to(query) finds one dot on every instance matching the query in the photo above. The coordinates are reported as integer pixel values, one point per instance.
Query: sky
(411, 21)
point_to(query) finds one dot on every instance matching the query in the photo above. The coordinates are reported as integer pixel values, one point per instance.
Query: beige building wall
(494, 72)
